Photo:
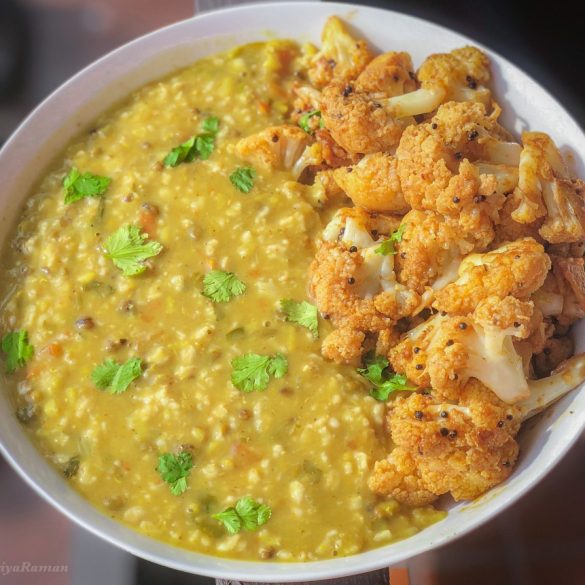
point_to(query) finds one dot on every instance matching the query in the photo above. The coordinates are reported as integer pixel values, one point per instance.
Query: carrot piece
(147, 219)
(54, 349)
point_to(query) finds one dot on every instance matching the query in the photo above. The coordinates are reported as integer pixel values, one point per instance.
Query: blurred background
(541, 540)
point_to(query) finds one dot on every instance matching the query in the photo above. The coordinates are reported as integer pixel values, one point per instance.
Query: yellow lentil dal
(306, 445)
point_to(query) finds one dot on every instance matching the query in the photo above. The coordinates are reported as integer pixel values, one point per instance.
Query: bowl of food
(281, 299)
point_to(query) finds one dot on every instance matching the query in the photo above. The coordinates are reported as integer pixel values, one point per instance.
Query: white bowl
(73, 107)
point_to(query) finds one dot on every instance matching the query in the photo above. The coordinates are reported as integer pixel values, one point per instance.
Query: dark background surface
(541, 540)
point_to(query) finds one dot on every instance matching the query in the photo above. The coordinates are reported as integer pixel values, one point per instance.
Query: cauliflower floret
(431, 249)
(546, 190)
(562, 296)
(508, 230)
(539, 160)
(341, 56)
(373, 183)
(445, 352)
(389, 74)
(359, 121)
(398, 476)
(462, 74)
(565, 206)
(354, 285)
(464, 449)
(442, 164)
(276, 147)
(343, 345)
(333, 154)
(516, 269)
(457, 76)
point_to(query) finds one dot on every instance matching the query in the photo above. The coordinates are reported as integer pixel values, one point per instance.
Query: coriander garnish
(302, 313)
(129, 249)
(115, 377)
(200, 146)
(305, 121)
(247, 514)
(174, 469)
(252, 371)
(387, 247)
(243, 179)
(17, 349)
(77, 185)
(220, 286)
(384, 382)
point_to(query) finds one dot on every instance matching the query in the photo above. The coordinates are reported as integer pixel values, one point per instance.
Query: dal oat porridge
(172, 342)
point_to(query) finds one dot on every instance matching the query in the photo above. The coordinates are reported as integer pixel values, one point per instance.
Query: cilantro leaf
(183, 153)
(77, 185)
(211, 125)
(128, 249)
(17, 349)
(116, 377)
(247, 514)
(375, 366)
(252, 371)
(174, 469)
(396, 383)
(243, 179)
(302, 313)
(305, 121)
(384, 382)
(230, 519)
(220, 286)
(204, 146)
(200, 146)
(387, 247)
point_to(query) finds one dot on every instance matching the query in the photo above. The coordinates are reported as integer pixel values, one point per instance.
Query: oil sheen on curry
(275, 305)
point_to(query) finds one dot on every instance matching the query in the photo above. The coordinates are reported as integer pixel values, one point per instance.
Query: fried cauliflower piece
(462, 75)
(359, 121)
(457, 76)
(341, 56)
(276, 147)
(545, 190)
(463, 449)
(343, 345)
(562, 296)
(518, 269)
(508, 230)
(389, 74)
(353, 285)
(398, 476)
(445, 165)
(444, 352)
(365, 122)
(373, 184)
(432, 248)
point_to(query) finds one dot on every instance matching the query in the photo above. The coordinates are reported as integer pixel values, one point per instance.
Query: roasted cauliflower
(277, 147)
(545, 189)
(463, 449)
(442, 165)
(354, 285)
(444, 352)
(341, 56)
(373, 184)
(518, 269)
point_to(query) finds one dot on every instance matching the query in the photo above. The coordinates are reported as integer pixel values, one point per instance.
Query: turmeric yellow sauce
(306, 444)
